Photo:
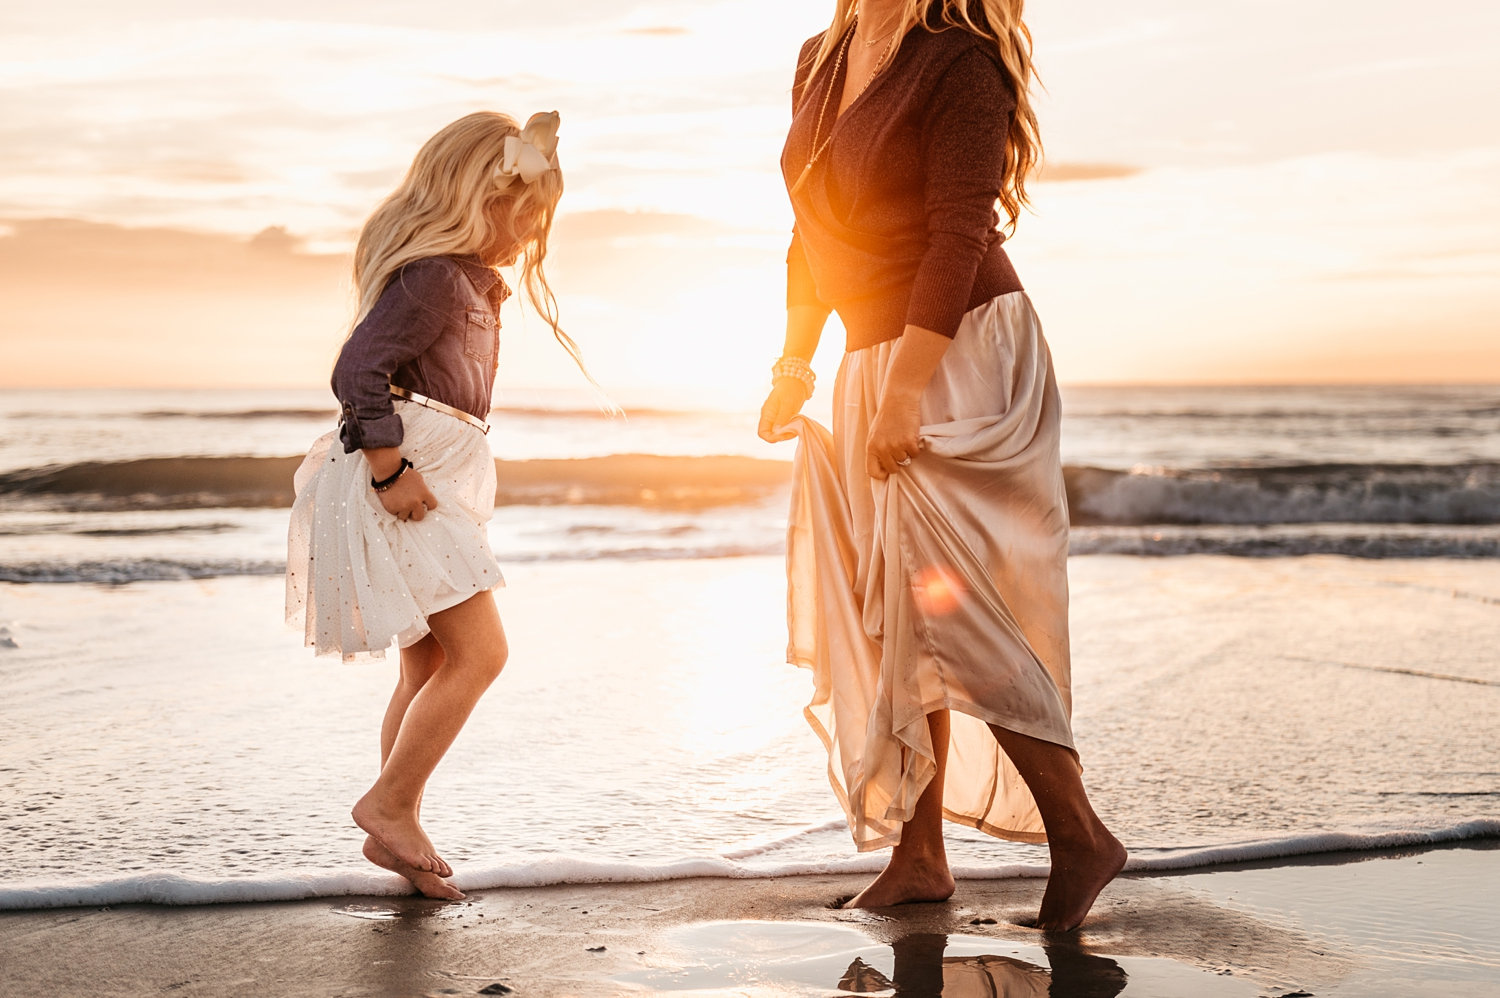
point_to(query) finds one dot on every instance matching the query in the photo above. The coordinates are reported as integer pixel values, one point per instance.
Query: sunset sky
(1236, 191)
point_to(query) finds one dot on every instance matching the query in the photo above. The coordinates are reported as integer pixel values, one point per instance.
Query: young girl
(387, 538)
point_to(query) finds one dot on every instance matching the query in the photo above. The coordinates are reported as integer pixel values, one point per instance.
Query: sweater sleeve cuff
(381, 431)
(944, 283)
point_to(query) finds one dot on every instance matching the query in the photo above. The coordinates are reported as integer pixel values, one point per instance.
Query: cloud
(662, 31)
(48, 248)
(200, 171)
(1063, 172)
(1457, 265)
(613, 226)
(166, 306)
(275, 239)
(97, 304)
(1231, 210)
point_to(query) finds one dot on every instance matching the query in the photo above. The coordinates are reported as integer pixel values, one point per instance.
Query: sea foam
(545, 871)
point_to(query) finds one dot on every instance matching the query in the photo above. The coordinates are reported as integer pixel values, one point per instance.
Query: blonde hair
(453, 201)
(1001, 23)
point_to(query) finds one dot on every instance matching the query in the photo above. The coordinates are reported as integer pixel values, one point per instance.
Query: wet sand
(646, 719)
(1407, 923)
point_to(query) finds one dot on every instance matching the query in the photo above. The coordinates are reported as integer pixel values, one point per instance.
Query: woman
(927, 553)
(388, 539)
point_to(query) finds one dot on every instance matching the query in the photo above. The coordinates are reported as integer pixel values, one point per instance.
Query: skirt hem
(456, 598)
(969, 821)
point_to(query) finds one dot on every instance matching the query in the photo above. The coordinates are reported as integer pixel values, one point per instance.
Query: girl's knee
(492, 662)
(484, 663)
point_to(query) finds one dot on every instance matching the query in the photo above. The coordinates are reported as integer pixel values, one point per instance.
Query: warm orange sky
(1239, 191)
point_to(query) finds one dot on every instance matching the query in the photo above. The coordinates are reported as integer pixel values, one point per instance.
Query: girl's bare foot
(1079, 873)
(400, 833)
(427, 884)
(906, 883)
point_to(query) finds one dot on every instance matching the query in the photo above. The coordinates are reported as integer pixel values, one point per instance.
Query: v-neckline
(843, 70)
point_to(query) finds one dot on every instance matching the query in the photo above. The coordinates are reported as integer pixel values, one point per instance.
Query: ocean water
(134, 486)
(1286, 610)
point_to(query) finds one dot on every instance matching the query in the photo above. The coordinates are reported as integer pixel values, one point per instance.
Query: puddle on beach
(814, 958)
(408, 909)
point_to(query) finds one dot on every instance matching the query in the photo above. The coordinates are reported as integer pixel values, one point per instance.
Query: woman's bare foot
(1078, 874)
(427, 884)
(906, 883)
(400, 833)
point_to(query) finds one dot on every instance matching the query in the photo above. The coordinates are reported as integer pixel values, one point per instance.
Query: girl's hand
(787, 397)
(409, 498)
(894, 437)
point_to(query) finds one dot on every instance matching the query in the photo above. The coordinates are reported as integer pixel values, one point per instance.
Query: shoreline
(1398, 922)
(167, 889)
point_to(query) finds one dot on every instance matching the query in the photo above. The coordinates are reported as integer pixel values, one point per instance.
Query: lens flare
(937, 591)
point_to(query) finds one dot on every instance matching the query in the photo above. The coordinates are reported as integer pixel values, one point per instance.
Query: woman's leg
(1085, 856)
(418, 664)
(474, 649)
(918, 870)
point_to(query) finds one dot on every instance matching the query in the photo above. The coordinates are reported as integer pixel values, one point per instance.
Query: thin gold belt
(411, 396)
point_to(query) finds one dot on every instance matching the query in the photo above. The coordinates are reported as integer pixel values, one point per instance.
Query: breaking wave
(1310, 493)
(1455, 494)
(657, 481)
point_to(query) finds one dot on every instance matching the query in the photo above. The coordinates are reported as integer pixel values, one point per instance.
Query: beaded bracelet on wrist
(795, 368)
(385, 483)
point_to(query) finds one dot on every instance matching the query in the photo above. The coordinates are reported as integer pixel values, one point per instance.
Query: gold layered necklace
(890, 25)
(818, 150)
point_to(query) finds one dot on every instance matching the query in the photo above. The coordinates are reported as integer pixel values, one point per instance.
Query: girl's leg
(418, 664)
(918, 870)
(474, 649)
(1085, 856)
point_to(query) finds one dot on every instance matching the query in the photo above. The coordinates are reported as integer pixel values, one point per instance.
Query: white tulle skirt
(356, 577)
(943, 587)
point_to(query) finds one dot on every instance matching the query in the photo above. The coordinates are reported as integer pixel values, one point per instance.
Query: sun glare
(938, 591)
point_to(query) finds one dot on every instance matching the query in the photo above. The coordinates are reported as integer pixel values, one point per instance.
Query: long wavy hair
(454, 202)
(1000, 22)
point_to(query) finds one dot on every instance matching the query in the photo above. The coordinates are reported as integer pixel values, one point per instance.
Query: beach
(177, 769)
(1246, 666)
(172, 741)
(1269, 339)
(1371, 925)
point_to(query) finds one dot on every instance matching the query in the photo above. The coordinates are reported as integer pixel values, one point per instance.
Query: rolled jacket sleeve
(964, 160)
(408, 318)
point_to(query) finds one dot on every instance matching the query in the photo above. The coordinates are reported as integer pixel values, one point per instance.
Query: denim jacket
(435, 330)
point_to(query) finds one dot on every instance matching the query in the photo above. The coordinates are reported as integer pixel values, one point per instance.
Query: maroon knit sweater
(896, 224)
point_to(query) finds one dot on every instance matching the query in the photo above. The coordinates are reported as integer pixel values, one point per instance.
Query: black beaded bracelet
(386, 483)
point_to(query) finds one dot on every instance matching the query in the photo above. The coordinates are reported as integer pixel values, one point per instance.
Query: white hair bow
(533, 152)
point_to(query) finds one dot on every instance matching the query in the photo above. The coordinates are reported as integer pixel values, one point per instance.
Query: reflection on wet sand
(878, 958)
(922, 969)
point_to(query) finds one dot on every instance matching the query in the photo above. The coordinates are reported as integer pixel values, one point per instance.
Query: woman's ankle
(923, 856)
(1089, 836)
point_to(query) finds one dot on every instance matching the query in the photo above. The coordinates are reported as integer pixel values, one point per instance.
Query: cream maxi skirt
(944, 587)
(356, 577)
